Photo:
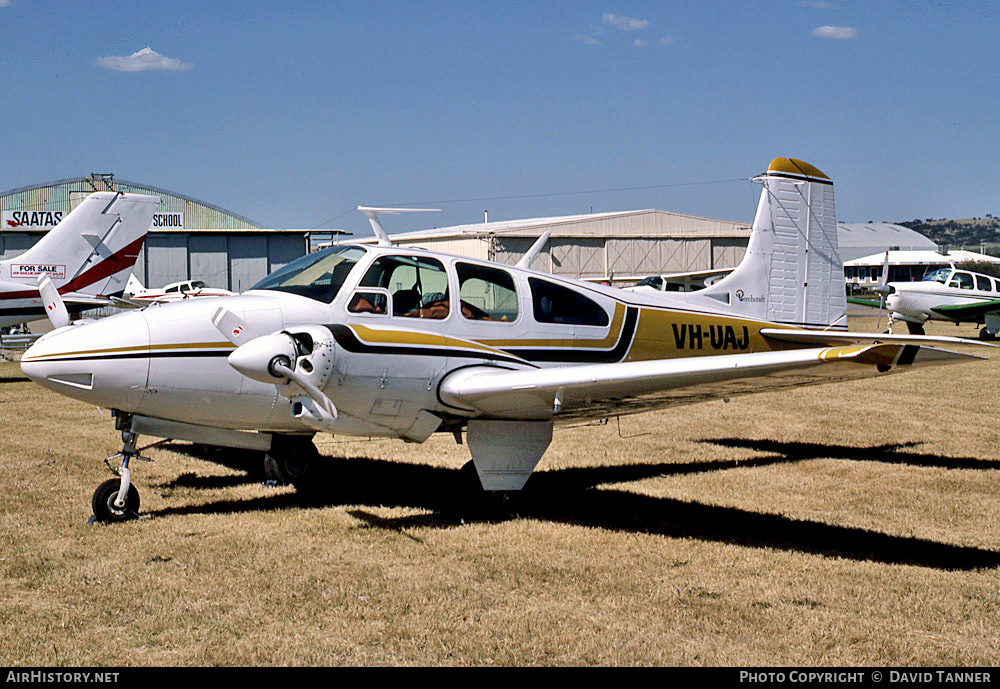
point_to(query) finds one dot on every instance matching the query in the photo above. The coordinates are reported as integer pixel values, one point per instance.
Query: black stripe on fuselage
(586, 356)
(347, 339)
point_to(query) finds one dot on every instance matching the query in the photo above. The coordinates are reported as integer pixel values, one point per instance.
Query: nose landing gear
(117, 500)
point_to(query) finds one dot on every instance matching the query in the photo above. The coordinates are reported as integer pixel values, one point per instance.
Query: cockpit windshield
(939, 275)
(654, 281)
(318, 276)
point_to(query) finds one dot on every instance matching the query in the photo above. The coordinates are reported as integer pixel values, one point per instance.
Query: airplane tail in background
(133, 286)
(792, 272)
(92, 250)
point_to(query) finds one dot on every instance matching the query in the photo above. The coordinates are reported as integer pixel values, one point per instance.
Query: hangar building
(624, 245)
(865, 238)
(629, 245)
(189, 238)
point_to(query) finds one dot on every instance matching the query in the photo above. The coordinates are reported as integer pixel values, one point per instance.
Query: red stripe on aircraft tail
(106, 268)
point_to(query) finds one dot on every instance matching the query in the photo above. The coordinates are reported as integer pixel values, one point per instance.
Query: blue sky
(294, 113)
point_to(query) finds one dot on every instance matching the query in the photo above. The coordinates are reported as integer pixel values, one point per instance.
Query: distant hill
(969, 233)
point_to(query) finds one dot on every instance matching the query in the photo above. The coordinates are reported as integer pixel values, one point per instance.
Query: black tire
(474, 500)
(984, 334)
(291, 459)
(103, 502)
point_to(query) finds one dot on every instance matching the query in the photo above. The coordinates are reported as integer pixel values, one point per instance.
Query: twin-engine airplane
(403, 343)
(85, 258)
(947, 294)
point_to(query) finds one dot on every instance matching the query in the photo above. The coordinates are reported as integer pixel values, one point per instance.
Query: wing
(964, 312)
(86, 299)
(831, 339)
(875, 304)
(568, 393)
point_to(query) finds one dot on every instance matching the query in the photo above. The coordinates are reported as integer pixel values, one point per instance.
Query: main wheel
(985, 334)
(481, 503)
(291, 459)
(103, 502)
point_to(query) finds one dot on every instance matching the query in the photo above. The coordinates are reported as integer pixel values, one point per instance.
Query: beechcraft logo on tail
(33, 270)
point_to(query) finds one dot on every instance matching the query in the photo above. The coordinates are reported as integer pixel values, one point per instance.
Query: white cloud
(624, 23)
(587, 40)
(5, 3)
(639, 43)
(837, 32)
(817, 5)
(143, 61)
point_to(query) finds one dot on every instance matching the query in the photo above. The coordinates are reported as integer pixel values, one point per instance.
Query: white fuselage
(916, 301)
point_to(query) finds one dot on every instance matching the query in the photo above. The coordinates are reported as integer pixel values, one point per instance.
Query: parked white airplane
(137, 295)
(85, 258)
(947, 294)
(690, 281)
(399, 342)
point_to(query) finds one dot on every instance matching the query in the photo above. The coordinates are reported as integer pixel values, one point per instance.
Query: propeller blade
(232, 327)
(885, 271)
(55, 309)
(308, 388)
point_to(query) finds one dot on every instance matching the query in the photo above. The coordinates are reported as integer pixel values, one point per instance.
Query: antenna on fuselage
(380, 233)
(535, 249)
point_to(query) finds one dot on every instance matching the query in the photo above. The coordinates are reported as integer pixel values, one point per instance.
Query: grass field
(849, 524)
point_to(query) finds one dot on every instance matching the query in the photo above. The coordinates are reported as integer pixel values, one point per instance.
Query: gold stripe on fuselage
(140, 348)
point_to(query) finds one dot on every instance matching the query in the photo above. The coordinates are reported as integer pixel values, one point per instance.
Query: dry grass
(852, 524)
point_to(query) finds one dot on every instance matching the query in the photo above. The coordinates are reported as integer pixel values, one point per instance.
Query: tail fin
(92, 250)
(133, 286)
(792, 272)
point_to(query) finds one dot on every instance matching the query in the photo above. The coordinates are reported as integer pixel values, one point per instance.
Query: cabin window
(369, 302)
(554, 303)
(175, 288)
(654, 281)
(983, 283)
(486, 294)
(996, 286)
(418, 285)
(317, 276)
(962, 281)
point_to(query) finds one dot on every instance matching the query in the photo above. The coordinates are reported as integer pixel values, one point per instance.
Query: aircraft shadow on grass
(572, 496)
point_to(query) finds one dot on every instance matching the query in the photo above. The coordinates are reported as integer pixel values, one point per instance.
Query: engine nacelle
(256, 358)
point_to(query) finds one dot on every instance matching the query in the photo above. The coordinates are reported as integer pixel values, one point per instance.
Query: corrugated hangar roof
(861, 239)
(639, 223)
(64, 194)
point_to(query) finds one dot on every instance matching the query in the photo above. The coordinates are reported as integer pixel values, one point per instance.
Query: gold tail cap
(795, 167)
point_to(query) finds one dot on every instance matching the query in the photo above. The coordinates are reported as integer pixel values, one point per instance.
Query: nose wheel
(117, 500)
(105, 502)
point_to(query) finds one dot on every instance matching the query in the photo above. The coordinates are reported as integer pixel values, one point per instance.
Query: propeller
(883, 289)
(55, 309)
(269, 358)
